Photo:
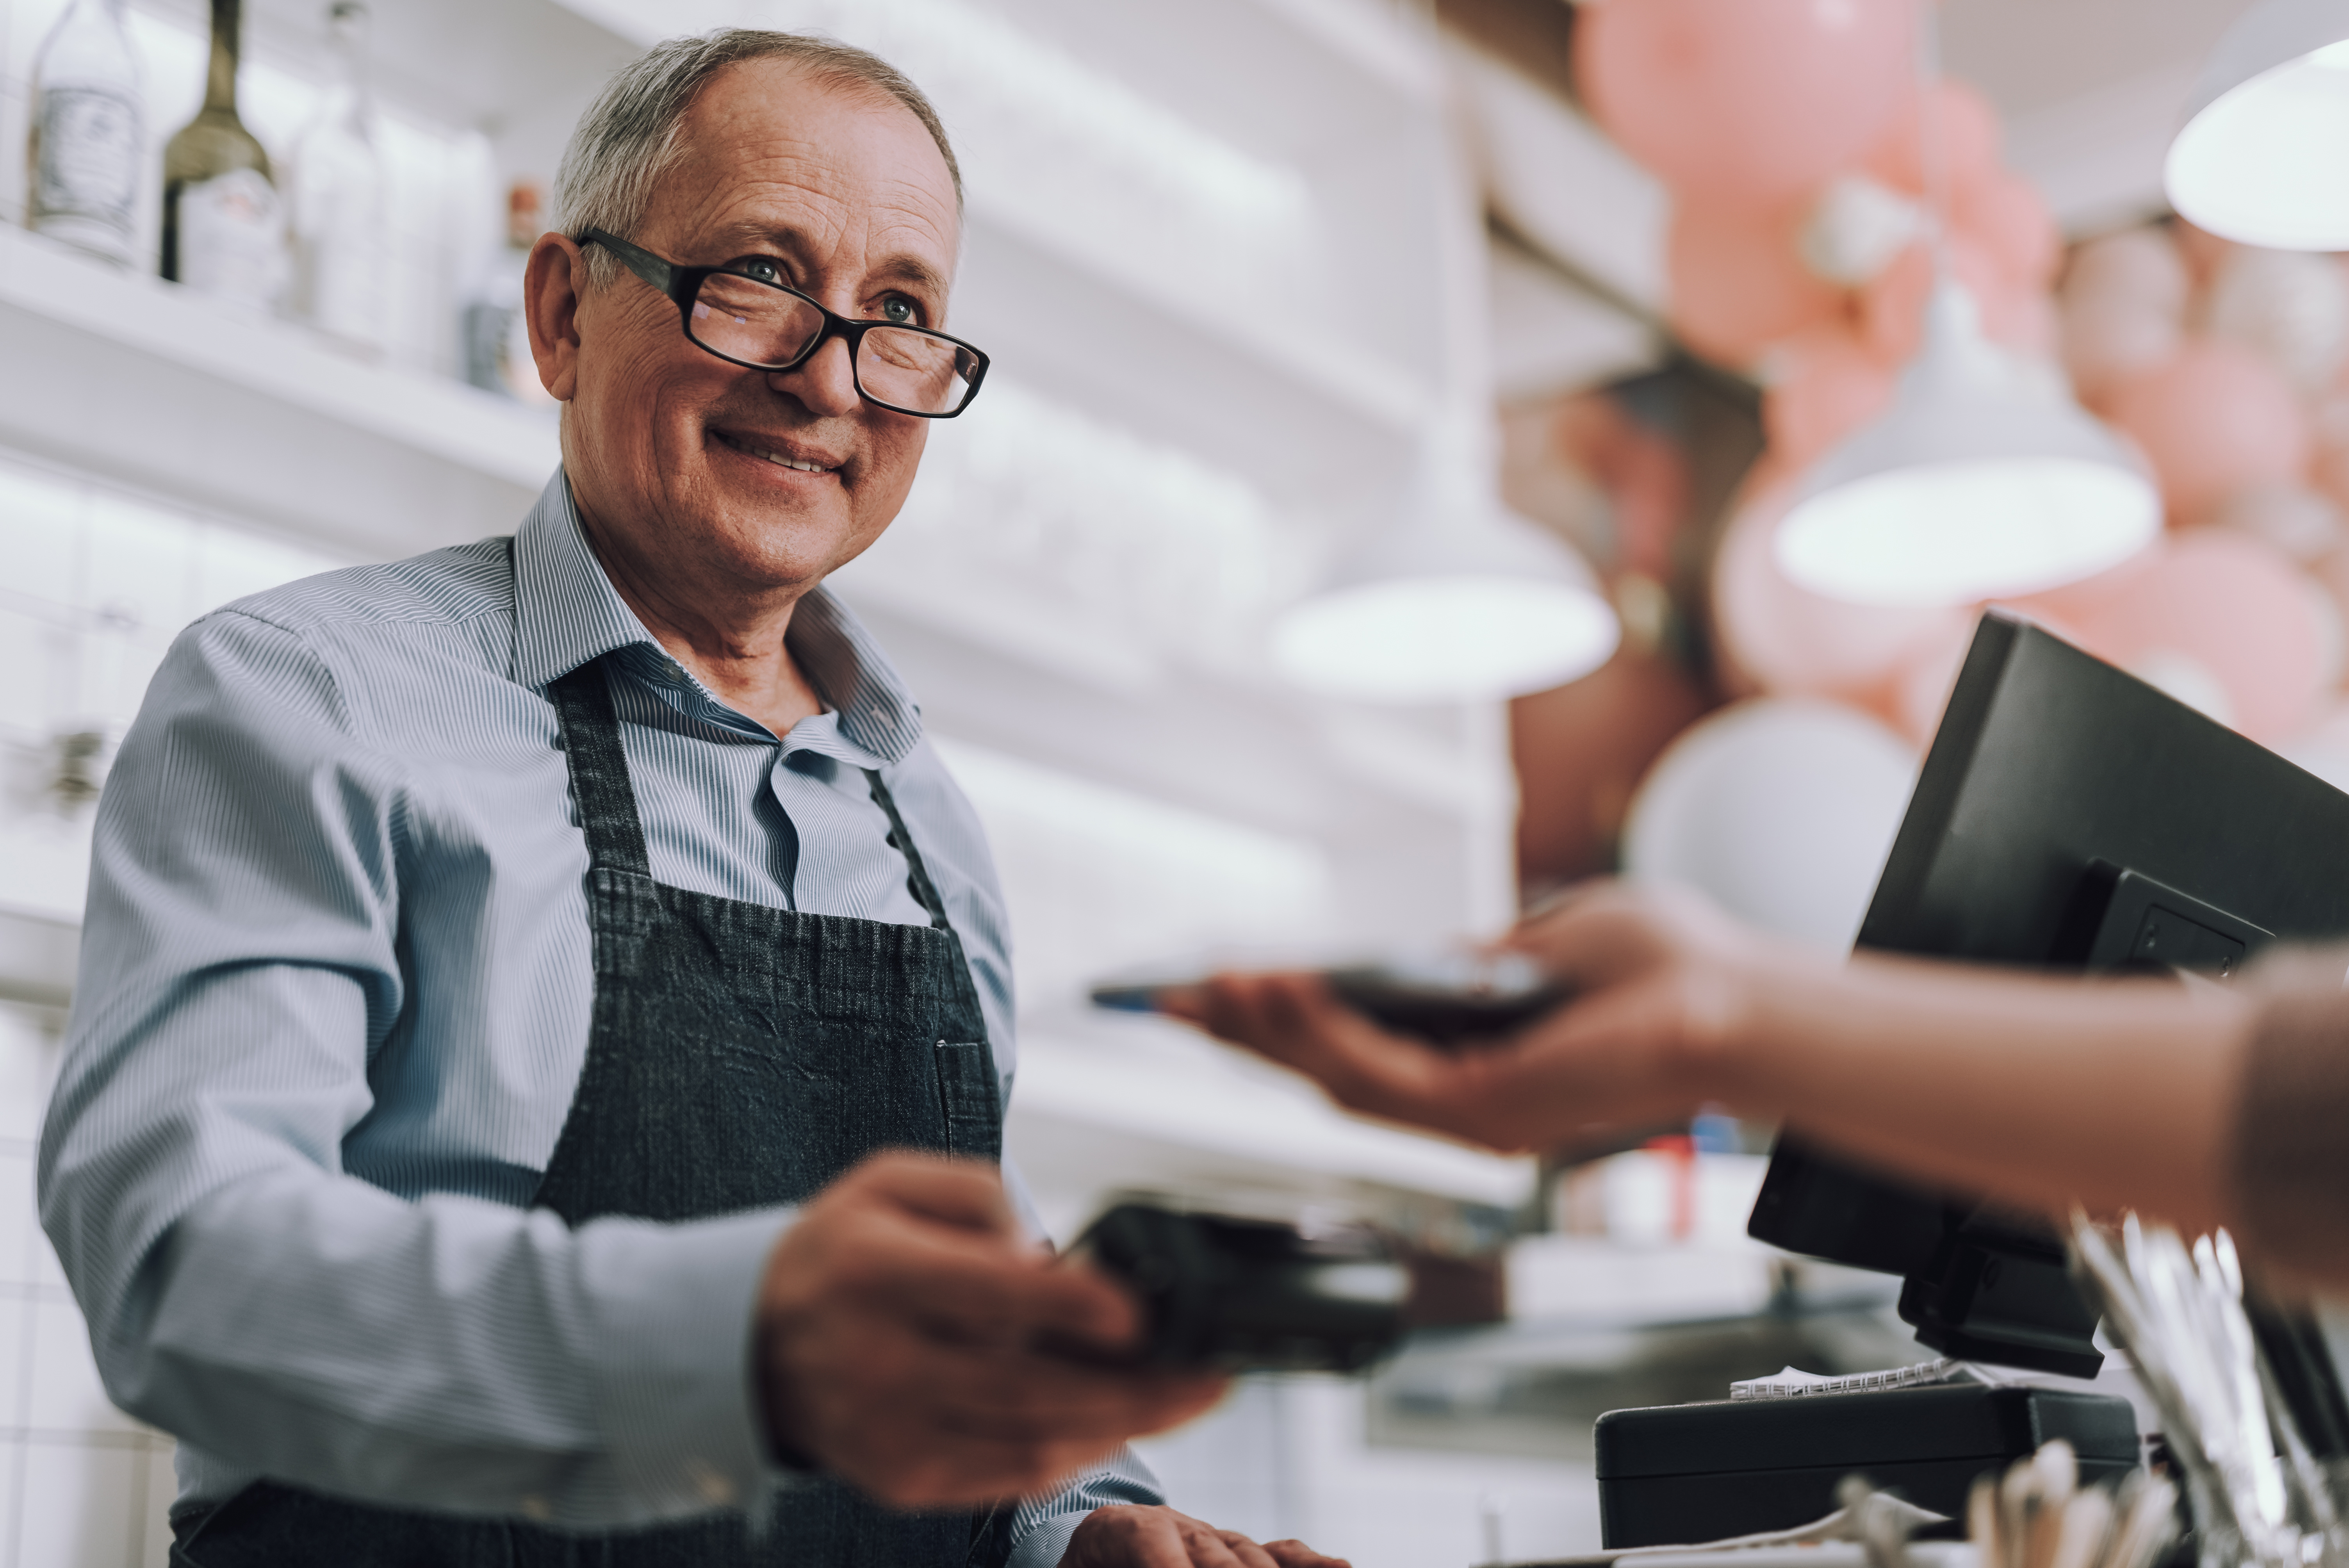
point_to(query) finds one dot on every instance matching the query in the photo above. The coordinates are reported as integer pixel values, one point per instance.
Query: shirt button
(674, 670)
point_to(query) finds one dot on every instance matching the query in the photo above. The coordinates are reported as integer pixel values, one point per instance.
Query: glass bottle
(497, 336)
(89, 133)
(223, 226)
(336, 196)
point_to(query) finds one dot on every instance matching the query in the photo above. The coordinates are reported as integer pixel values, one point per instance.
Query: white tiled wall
(81, 1484)
(96, 583)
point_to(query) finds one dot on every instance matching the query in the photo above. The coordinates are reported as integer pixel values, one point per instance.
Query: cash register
(2068, 817)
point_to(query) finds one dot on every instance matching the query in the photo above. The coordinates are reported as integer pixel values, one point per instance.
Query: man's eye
(765, 272)
(901, 310)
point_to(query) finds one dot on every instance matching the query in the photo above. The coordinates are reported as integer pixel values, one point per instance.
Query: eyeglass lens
(746, 320)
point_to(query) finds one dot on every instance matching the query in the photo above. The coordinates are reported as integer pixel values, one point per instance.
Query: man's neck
(733, 644)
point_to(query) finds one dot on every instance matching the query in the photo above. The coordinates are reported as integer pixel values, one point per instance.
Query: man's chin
(771, 547)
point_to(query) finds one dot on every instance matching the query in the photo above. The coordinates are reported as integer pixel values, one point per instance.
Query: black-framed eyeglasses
(763, 325)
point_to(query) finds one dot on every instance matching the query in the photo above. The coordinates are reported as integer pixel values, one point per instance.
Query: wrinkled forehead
(839, 162)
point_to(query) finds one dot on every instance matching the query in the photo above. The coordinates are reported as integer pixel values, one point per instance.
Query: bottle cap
(523, 203)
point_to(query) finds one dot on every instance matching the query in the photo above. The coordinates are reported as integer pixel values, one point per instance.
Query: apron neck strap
(918, 876)
(599, 769)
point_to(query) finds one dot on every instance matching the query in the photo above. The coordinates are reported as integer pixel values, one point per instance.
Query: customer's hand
(1128, 1537)
(1664, 984)
(897, 1325)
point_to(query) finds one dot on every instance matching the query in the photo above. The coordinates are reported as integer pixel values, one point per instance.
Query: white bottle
(496, 333)
(89, 133)
(223, 218)
(337, 196)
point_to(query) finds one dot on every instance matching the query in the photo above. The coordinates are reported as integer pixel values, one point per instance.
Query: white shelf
(1255, 384)
(133, 378)
(37, 955)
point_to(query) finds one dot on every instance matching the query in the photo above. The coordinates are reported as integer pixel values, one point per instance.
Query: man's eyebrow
(915, 271)
(904, 267)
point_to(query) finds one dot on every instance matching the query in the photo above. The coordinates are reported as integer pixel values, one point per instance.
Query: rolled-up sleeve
(242, 963)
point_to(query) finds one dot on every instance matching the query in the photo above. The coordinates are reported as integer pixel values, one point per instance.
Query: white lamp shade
(1483, 609)
(1983, 479)
(2263, 157)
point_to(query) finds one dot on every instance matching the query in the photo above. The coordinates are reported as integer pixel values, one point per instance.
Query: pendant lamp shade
(1479, 607)
(1984, 478)
(2261, 157)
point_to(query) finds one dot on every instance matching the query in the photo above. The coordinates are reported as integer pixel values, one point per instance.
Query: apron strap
(968, 1091)
(918, 876)
(599, 769)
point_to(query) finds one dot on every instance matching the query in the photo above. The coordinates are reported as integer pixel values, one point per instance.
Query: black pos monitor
(2069, 817)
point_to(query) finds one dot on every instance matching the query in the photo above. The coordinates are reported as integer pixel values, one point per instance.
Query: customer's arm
(244, 957)
(2202, 1104)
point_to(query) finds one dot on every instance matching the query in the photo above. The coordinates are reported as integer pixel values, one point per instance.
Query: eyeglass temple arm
(644, 264)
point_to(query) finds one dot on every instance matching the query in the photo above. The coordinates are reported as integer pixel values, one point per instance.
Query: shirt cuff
(673, 1317)
(1044, 1546)
(1042, 1526)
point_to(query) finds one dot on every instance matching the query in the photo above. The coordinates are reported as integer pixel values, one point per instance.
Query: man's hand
(1664, 986)
(1128, 1537)
(898, 1325)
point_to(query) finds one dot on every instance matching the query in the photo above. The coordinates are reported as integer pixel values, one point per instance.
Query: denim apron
(740, 1057)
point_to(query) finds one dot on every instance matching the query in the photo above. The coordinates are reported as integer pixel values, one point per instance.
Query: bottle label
(91, 145)
(339, 245)
(232, 238)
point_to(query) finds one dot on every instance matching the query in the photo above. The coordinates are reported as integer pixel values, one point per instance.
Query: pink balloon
(2142, 266)
(2214, 420)
(2124, 310)
(1792, 643)
(1970, 140)
(2107, 342)
(1892, 307)
(2203, 252)
(1750, 101)
(2007, 217)
(1831, 383)
(1738, 284)
(2329, 472)
(2211, 604)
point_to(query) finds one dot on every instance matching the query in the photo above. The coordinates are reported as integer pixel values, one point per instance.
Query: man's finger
(967, 1194)
(1041, 1397)
(1158, 1540)
(1205, 1547)
(1012, 1393)
(1297, 1554)
(969, 1286)
(1245, 1551)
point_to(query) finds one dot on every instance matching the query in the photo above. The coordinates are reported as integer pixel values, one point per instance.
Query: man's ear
(552, 288)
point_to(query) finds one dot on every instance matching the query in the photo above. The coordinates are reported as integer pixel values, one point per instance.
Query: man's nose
(826, 382)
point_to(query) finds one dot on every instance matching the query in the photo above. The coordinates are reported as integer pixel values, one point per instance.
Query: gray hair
(629, 136)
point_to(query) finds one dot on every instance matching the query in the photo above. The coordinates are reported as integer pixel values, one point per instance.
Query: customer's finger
(1295, 1020)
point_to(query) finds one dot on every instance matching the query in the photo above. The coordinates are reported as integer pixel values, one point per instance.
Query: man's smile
(779, 453)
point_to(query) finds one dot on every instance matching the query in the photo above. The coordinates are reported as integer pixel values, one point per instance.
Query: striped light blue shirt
(334, 1001)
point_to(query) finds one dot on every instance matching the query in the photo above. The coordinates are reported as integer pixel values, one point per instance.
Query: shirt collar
(566, 612)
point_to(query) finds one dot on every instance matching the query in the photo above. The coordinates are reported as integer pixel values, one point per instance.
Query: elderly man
(545, 1017)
